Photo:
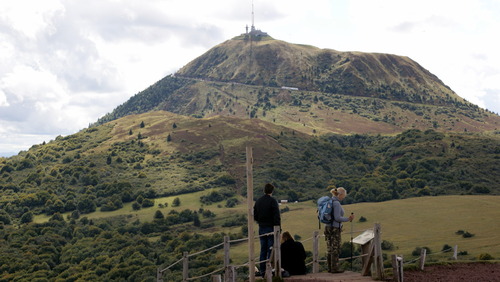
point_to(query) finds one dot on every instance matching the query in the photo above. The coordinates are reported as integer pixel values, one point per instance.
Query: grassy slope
(409, 223)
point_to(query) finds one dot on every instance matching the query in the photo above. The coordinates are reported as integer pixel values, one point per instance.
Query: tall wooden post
(251, 237)
(421, 263)
(185, 267)
(377, 241)
(277, 251)
(315, 265)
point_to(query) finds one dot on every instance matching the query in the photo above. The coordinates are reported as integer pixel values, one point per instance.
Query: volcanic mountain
(311, 90)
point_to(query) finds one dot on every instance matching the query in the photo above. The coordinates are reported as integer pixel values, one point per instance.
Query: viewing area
(371, 257)
(369, 240)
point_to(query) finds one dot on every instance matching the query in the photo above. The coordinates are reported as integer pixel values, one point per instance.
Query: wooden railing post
(250, 221)
(315, 262)
(455, 252)
(159, 275)
(277, 250)
(185, 267)
(397, 268)
(379, 263)
(423, 253)
(228, 275)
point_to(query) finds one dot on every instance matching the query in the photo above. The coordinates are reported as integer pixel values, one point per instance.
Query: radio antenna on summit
(253, 26)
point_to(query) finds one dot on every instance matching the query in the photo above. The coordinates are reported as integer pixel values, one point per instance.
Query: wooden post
(230, 275)
(395, 268)
(423, 253)
(365, 249)
(371, 254)
(400, 268)
(159, 275)
(185, 267)
(227, 274)
(379, 263)
(315, 265)
(216, 278)
(268, 276)
(251, 256)
(277, 251)
(455, 252)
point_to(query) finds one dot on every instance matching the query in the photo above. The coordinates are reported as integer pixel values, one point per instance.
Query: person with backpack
(267, 214)
(334, 228)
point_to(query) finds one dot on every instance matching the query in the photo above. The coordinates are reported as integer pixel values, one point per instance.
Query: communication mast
(253, 26)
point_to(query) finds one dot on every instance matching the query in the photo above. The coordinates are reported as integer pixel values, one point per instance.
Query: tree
(27, 217)
(169, 138)
(176, 202)
(159, 215)
(4, 217)
(174, 125)
(196, 220)
(142, 124)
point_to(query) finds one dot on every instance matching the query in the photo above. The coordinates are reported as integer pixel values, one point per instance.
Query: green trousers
(333, 240)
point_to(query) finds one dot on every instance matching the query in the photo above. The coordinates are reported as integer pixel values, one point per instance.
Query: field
(416, 222)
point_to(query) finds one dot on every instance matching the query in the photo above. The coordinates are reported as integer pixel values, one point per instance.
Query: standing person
(267, 214)
(333, 230)
(293, 255)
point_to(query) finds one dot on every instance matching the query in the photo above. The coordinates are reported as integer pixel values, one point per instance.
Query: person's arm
(302, 251)
(336, 212)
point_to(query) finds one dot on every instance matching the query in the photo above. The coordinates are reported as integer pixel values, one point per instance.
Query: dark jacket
(266, 211)
(293, 257)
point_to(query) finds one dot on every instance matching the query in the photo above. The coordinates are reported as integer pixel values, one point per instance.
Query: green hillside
(165, 172)
(160, 154)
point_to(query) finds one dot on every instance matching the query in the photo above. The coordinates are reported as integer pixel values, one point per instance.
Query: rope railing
(205, 250)
(205, 275)
(231, 268)
(168, 267)
(398, 261)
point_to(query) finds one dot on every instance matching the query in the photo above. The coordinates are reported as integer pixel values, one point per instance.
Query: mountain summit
(270, 62)
(311, 90)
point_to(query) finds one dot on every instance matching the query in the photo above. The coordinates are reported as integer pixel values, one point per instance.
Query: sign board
(364, 237)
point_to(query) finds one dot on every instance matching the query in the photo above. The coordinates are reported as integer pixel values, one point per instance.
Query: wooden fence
(371, 258)
(398, 262)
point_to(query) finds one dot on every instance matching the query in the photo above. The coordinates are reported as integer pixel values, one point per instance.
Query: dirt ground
(470, 272)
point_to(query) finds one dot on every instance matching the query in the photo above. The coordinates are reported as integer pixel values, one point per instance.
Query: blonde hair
(338, 191)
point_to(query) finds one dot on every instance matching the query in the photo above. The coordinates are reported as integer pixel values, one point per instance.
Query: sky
(65, 63)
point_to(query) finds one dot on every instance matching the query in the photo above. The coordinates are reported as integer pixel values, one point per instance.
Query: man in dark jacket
(267, 214)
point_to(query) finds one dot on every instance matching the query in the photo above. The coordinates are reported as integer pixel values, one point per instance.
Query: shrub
(446, 248)
(418, 250)
(485, 256)
(467, 235)
(386, 245)
(362, 219)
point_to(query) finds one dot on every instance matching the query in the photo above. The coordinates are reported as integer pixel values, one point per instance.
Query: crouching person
(293, 255)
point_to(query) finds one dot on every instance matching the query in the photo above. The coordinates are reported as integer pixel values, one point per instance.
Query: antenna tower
(253, 26)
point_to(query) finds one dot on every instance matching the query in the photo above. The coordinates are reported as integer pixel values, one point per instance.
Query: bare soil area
(470, 272)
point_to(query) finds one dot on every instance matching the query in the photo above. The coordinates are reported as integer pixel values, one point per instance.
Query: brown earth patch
(470, 272)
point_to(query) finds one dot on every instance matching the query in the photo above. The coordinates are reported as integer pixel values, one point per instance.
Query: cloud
(64, 64)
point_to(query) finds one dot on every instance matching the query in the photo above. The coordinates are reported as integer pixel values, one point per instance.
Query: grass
(416, 222)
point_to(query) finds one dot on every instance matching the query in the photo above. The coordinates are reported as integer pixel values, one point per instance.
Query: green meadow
(409, 223)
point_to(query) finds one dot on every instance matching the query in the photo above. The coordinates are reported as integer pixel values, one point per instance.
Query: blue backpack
(325, 208)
